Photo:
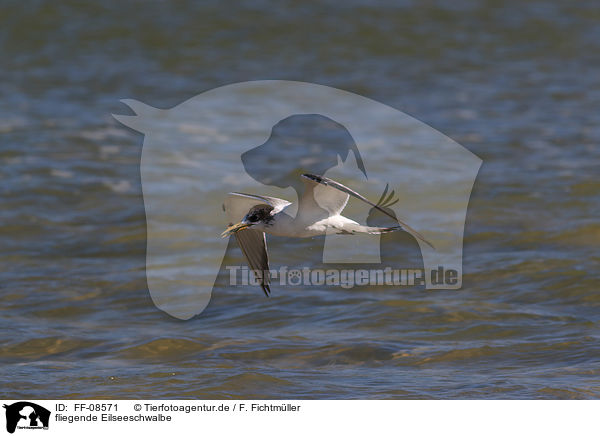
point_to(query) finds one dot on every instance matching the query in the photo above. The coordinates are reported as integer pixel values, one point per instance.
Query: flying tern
(319, 213)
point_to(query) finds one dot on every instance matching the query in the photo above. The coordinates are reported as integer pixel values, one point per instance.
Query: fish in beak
(235, 228)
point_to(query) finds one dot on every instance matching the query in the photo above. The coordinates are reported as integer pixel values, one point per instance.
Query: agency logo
(24, 415)
(275, 141)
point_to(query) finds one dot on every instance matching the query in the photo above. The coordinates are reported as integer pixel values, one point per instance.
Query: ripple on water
(43, 348)
(163, 349)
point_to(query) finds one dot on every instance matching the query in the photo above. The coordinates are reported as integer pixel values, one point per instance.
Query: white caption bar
(290, 417)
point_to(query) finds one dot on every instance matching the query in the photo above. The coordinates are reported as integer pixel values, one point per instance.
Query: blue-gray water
(517, 83)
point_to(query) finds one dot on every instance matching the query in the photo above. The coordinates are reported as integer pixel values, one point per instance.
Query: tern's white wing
(333, 185)
(254, 246)
(238, 204)
(330, 199)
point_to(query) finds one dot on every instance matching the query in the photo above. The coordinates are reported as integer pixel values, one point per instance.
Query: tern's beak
(235, 228)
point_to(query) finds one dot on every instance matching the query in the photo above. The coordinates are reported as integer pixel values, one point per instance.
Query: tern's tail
(354, 228)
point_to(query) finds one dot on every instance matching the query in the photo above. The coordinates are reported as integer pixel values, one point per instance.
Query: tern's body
(307, 225)
(319, 213)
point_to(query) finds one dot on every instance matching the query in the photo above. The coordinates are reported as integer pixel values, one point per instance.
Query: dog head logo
(258, 137)
(307, 143)
(25, 414)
